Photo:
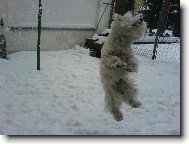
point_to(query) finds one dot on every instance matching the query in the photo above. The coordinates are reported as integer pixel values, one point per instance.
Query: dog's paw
(132, 70)
(134, 103)
(120, 66)
(118, 116)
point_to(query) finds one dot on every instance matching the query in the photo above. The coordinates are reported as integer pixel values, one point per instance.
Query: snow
(66, 97)
(99, 39)
(169, 32)
(146, 38)
(169, 53)
(161, 39)
(7, 29)
(106, 31)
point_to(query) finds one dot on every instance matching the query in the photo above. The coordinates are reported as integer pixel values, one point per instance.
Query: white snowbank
(66, 97)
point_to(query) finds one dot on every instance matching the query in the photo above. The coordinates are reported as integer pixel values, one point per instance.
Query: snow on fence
(165, 52)
(168, 47)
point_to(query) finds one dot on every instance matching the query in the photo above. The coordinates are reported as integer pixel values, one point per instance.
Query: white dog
(117, 61)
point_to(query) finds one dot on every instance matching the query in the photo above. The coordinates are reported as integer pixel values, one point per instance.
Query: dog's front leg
(132, 65)
(115, 62)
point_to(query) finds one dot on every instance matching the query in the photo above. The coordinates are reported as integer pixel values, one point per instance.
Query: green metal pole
(39, 35)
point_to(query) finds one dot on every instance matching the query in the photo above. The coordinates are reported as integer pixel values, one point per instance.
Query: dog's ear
(117, 18)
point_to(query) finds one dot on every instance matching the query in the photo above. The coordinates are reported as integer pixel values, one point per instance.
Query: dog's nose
(141, 19)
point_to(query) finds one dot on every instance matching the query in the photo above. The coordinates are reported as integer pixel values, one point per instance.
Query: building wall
(26, 40)
(105, 19)
(4, 10)
(64, 22)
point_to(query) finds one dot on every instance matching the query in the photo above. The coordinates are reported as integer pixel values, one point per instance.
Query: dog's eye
(134, 24)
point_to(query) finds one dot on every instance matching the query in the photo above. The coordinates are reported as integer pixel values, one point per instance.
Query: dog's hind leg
(134, 103)
(115, 110)
(113, 104)
(128, 92)
(132, 100)
(120, 86)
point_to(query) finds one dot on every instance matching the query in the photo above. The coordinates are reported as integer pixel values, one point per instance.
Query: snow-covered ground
(66, 97)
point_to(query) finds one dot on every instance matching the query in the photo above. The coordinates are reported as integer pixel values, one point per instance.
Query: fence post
(161, 25)
(39, 35)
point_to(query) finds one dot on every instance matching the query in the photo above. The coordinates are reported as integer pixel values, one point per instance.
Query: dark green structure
(39, 35)
(126, 5)
(3, 53)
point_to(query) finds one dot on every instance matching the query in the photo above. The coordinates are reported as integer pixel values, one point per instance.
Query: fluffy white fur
(117, 61)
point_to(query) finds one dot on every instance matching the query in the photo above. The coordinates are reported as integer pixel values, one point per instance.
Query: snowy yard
(66, 96)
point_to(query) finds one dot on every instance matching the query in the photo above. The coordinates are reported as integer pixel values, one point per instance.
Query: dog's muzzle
(140, 21)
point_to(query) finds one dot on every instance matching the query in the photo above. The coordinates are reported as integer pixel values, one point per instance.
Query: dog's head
(129, 27)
